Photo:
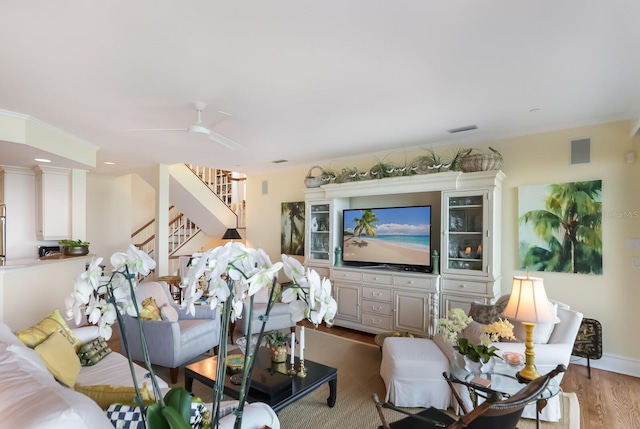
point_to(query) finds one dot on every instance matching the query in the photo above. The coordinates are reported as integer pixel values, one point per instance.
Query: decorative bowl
(235, 362)
(513, 359)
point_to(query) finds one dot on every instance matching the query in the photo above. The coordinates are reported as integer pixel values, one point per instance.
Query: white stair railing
(230, 187)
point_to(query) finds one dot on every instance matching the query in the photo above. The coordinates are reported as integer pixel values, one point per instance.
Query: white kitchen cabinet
(53, 203)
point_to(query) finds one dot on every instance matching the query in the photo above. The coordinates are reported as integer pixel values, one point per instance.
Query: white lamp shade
(528, 302)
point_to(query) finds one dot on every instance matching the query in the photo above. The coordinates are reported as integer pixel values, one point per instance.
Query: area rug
(358, 378)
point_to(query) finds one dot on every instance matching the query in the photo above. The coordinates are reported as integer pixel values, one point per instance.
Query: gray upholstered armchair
(279, 317)
(178, 337)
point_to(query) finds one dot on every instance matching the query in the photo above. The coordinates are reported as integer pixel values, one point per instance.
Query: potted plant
(74, 247)
(278, 345)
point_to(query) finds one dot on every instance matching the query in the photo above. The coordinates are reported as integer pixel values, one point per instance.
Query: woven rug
(358, 378)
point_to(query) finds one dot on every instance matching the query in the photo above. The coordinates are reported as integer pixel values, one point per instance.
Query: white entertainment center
(465, 222)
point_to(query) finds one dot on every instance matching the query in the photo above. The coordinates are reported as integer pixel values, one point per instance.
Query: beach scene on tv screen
(387, 236)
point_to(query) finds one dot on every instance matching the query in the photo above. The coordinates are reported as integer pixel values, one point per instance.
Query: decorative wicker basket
(481, 161)
(311, 181)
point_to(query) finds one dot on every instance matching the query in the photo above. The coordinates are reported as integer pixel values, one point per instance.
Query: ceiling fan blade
(159, 129)
(223, 141)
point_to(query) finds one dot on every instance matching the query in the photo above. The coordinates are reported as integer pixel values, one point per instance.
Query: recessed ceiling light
(280, 161)
(42, 160)
(462, 129)
(109, 163)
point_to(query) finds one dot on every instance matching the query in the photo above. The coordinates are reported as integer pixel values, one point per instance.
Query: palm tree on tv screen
(365, 224)
(571, 225)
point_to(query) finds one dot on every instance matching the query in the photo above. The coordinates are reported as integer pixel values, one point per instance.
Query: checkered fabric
(129, 416)
(125, 416)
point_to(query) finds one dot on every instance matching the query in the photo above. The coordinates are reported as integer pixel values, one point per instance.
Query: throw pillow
(169, 313)
(150, 310)
(128, 415)
(106, 394)
(485, 313)
(93, 352)
(43, 329)
(541, 332)
(60, 358)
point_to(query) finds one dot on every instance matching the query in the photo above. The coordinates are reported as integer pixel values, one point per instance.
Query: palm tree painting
(561, 227)
(292, 230)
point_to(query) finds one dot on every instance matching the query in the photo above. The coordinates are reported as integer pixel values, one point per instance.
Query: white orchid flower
(93, 273)
(298, 310)
(188, 303)
(236, 309)
(263, 278)
(293, 269)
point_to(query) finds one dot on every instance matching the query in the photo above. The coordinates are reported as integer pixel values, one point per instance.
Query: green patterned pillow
(93, 352)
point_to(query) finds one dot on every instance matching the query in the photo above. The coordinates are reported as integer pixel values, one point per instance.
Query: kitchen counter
(26, 262)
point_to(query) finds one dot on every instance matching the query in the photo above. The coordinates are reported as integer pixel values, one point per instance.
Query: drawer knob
(410, 282)
(376, 295)
(463, 286)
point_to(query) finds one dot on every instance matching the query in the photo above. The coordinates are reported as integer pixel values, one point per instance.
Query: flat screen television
(390, 237)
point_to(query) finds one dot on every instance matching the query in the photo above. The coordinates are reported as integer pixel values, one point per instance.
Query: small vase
(278, 354)
(471, 366)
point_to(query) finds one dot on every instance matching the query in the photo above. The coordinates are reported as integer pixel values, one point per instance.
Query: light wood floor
(607, 401)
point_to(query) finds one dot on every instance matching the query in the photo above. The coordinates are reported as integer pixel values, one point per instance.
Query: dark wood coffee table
(317, 375)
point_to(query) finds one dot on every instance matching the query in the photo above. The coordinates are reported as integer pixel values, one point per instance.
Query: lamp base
(527, 376)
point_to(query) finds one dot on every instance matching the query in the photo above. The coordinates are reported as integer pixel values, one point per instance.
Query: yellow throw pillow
(150, 310)
(43, 329)
(60, 358)
(106, 394)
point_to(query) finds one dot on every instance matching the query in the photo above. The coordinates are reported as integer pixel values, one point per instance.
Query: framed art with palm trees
(292, 228)
(560, 227)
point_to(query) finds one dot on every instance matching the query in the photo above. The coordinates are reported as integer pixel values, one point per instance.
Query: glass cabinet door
(465, 232)
(319, 227)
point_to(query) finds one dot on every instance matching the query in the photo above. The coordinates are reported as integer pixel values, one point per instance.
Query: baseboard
(613, 363)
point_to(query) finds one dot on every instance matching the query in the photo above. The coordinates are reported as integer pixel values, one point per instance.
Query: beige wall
(610, 298)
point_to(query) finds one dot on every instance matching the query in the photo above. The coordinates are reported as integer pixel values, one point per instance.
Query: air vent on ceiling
(463, 129)
(280, 161)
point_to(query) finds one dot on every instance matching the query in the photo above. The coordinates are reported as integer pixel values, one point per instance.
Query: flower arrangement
(230, 276)
(457, 320)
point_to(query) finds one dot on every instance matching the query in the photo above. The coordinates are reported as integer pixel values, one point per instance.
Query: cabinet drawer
(377, 321)
(380, 279)
(376, 293)
(466, 286)
(346, 275)
(414, 282)
(377, 307)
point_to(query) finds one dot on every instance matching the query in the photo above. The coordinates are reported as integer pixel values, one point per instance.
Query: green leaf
(155, 418)
(179, 399)
(174, 418)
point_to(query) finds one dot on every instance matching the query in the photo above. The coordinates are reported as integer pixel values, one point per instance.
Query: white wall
(610, 298)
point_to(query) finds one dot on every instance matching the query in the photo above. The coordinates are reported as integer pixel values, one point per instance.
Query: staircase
(225, 209)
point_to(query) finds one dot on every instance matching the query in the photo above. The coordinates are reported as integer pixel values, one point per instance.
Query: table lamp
(529, 304)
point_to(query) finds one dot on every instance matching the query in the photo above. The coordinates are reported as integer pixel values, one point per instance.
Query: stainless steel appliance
(3, 232)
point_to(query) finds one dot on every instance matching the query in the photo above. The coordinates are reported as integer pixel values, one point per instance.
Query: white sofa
(30, 397)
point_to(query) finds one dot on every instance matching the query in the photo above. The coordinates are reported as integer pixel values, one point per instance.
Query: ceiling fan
(199, 128)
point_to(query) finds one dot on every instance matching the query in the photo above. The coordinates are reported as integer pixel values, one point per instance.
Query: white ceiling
(310, 81)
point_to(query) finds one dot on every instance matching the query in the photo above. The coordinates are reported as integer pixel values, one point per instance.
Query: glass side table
(503, 379)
